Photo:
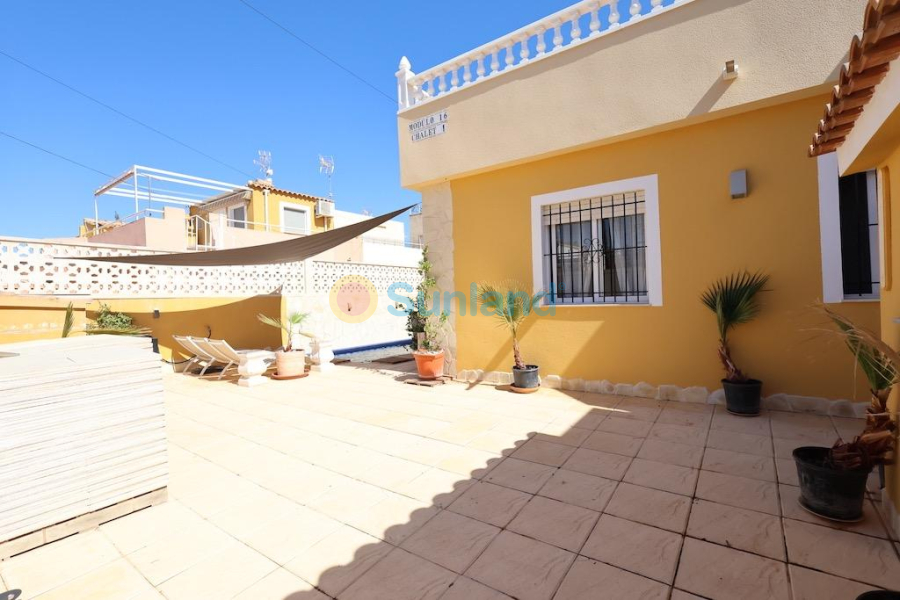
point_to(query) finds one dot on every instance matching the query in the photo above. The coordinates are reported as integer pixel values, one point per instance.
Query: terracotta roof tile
(869, 61)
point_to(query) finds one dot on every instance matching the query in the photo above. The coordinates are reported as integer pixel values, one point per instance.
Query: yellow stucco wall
(31, 318)
(704, 235)
(256, 210)
(889, 181)
(232, 319)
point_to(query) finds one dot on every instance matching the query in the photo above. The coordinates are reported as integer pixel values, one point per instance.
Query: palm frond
(510, 304)
(117, 331)
(733, 299)
(69, 320)
(878, 361)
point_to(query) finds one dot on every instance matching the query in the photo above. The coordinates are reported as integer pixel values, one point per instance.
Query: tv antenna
(264, 162)
(326, 167)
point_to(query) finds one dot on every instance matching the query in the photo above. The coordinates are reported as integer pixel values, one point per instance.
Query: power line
(316, 50)
(51, 153)
(120, 113)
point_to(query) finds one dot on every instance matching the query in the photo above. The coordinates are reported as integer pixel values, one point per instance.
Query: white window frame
(830, 233)
(297, 207)
(650, 186)
(229, 214)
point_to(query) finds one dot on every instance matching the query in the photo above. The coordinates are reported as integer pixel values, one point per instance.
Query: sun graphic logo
(353, 298)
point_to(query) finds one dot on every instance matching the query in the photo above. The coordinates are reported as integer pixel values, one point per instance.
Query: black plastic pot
(527, 377)
(879, 595)
(835, 494)
(743, 398)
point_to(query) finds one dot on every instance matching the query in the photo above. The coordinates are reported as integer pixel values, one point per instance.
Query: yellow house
(625, 162)
(263, 207)
(859, 137)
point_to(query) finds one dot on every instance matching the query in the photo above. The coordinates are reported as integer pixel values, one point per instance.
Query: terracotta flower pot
(290, 364)
(430, 365)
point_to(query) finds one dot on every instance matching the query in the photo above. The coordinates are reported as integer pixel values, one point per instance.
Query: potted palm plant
(833, 480)
(733, 300)
(511, 305)
(290, 360)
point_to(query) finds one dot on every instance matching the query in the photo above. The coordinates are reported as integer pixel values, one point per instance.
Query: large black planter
(526, 378)
(879, 595)
(743, 398)
(835, 494)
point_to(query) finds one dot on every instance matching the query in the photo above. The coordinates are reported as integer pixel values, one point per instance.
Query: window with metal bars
(859, 235)
(594, 250)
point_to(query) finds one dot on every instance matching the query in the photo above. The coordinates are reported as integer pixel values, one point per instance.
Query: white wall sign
(428, 127)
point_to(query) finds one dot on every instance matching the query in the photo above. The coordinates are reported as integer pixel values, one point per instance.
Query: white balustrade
(567, 25)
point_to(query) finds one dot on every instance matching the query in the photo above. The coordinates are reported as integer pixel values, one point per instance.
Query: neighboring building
(184, 212)
(625, 163)
(859, 139)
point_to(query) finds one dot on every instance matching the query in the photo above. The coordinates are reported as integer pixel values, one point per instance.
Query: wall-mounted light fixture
(730, 71)
(155, 313)
(738, 184)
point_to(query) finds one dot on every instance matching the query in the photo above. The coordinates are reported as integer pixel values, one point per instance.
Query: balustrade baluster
(510, 57)
(541, 42)
(614, 14)
(655, 5)
(635, 8)
(442, 81)
(479, 69)
(495, 60)
(467, 72)
(454, 77)
(557, 35)
(525, 51)
(595, 18)
(576, 27)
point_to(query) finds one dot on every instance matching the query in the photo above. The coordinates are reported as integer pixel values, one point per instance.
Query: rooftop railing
(564, 29)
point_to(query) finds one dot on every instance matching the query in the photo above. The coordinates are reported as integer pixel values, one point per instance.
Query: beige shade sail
(292, 250)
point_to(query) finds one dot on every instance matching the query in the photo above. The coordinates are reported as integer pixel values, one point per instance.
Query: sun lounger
(199, 356)
(222, 352)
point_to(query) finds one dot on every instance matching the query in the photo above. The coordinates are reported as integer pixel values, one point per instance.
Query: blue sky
(219, 77)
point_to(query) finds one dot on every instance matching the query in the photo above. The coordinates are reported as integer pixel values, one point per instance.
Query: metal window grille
(594, 250)
(859, 236)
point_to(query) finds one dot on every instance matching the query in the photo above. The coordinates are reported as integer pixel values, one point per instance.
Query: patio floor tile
(436, 486)
(740, 492)
(671, 453)
(401, 576)
(173, 554)
(287, 535)
(545, 453)
(469, 589)
(738, 528)
(224, 573)
(660, 476)
(567, 435)
(394, 519)
(736, 463)
(590, 580)
(338, 560)
(117, 580)
(814, 585)
(281, 584)
(520, 475)
(679, 434)
(580, 489)
(651, 507)
(725, 574)
(725, 421)
(554, 522)
(605, 441)
(521, 567)
(641, 549)
(490, 503)
(601, 464)
(625, 426)
(860, 557)
(786, 471)
(748, 443)
(451, 540)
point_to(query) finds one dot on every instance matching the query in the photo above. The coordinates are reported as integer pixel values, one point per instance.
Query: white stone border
(674, 393)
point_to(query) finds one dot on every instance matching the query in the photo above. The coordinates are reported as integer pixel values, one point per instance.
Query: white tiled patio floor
(354, 486)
